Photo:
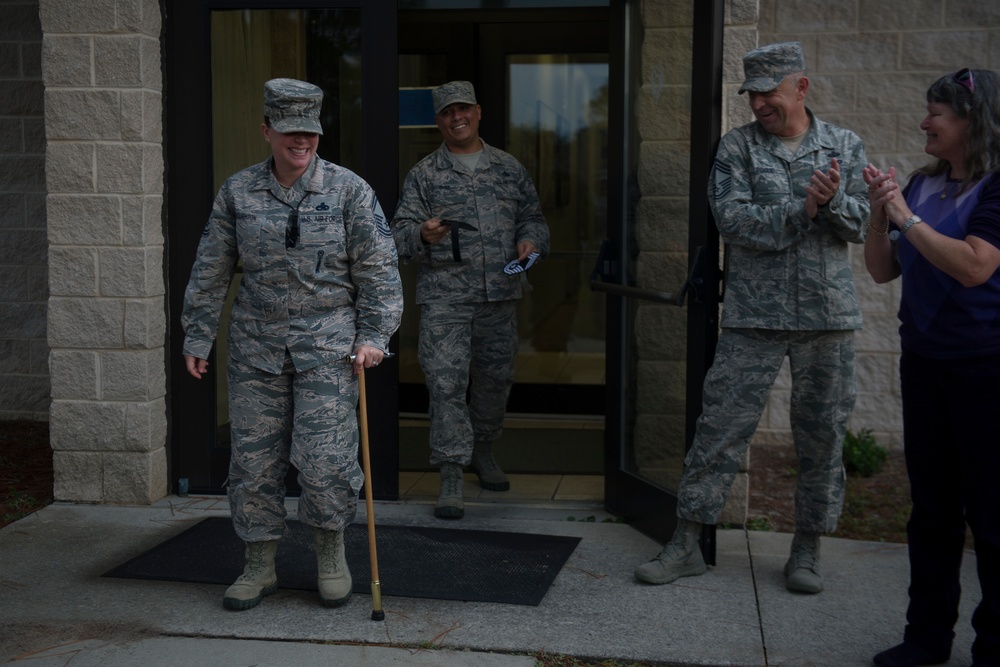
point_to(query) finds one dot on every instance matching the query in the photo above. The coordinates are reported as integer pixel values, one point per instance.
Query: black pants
(951, 423)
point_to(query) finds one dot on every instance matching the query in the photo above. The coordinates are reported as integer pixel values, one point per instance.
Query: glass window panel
(657, 241)
(558, 128)
(415, 143)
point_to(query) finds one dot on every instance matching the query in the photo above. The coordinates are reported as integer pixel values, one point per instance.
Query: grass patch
(17, 505)
(862, 453)
(549, 660)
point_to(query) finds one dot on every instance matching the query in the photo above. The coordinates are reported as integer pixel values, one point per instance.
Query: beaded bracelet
(879, 232)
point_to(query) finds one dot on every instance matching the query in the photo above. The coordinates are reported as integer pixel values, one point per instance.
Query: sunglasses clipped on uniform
(292, 229)
(292, 226)
(964, 77)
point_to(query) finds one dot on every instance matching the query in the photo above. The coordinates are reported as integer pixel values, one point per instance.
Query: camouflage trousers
(306, 419)
(468, 346)
(735, 393)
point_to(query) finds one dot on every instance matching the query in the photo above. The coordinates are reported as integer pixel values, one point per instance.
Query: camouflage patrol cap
(765, 67)
(452, 92)
(293, 106)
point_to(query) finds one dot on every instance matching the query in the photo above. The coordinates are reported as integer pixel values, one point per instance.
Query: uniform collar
(818, 137)
(310, 181)
(444, 159)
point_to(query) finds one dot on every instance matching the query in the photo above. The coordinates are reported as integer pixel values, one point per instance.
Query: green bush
(862, 454)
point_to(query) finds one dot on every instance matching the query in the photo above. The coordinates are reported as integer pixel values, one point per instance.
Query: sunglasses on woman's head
(964, 77)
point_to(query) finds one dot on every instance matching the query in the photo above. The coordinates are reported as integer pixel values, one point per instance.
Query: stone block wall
(870, 64)
(101, 65)
(24, 372)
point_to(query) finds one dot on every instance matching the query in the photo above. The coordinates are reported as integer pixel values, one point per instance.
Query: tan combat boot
(681, 557)
(258, 579)
(802, 569)
(334, 583)
(490, 475)
(450, 504)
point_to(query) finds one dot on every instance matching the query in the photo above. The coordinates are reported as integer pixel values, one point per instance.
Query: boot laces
(805, 555)
(452, 481)
(255, 565)
(328, 548)
(677, 548)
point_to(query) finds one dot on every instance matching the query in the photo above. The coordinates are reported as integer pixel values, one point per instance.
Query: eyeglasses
(964, 77)
(292, 229)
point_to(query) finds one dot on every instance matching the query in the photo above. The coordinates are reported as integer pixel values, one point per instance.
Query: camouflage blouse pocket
(771, 190)
(769, 178)
(248, 240)
(321, 231)
(748, 265)
(508, 199)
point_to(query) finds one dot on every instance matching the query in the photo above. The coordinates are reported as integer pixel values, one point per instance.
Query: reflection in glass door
(557, 126)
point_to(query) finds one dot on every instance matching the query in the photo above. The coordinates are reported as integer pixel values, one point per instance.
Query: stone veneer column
(24, 372)
(664, 122)
(107, 326)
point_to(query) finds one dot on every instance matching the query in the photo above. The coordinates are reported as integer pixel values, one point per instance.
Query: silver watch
(912, 220)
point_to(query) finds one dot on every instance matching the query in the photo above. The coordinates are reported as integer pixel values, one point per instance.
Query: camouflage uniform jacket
(787, 272)
(336, 289)
(498, 201)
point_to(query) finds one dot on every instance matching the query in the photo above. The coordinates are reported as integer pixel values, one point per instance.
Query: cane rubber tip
(378, 615)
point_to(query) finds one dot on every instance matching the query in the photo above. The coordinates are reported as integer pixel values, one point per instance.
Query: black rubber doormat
(435, 563)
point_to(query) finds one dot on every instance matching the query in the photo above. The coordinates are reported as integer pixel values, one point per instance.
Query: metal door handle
(605, 265)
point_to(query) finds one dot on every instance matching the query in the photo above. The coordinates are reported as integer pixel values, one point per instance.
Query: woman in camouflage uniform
(320, 282)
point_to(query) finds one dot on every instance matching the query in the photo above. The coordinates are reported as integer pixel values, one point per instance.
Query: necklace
(947, 187)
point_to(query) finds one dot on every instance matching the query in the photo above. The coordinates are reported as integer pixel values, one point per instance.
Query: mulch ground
(25, 469)
(876, 508)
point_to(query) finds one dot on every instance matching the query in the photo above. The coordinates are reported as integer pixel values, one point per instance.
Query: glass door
(660, 271)
(557, 123)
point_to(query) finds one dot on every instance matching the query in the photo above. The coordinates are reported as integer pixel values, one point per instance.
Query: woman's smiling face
(947, 135)
(293, 152)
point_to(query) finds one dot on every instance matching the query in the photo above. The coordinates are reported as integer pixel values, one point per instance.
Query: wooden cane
(377, 613)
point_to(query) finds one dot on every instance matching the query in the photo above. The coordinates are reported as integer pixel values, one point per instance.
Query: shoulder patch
(723, 179)
(380, 222)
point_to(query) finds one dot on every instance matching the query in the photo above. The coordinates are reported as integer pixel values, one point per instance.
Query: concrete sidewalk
(58, 610)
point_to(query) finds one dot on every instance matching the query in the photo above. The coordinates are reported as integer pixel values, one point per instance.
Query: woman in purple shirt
(942, 235)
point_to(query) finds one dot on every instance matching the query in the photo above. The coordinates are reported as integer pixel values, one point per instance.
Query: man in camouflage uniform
(467, 210)
(788, 196)
(320, 282)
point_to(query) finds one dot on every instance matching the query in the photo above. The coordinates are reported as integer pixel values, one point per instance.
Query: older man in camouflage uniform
(320, 282)
(467, 210)
(788, 197)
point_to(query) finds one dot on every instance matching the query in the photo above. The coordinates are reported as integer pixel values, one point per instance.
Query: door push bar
(605, 266)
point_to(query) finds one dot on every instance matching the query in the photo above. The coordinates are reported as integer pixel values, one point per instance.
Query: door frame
(187, 130)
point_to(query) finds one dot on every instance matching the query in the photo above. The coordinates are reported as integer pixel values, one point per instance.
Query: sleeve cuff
(197, 348)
